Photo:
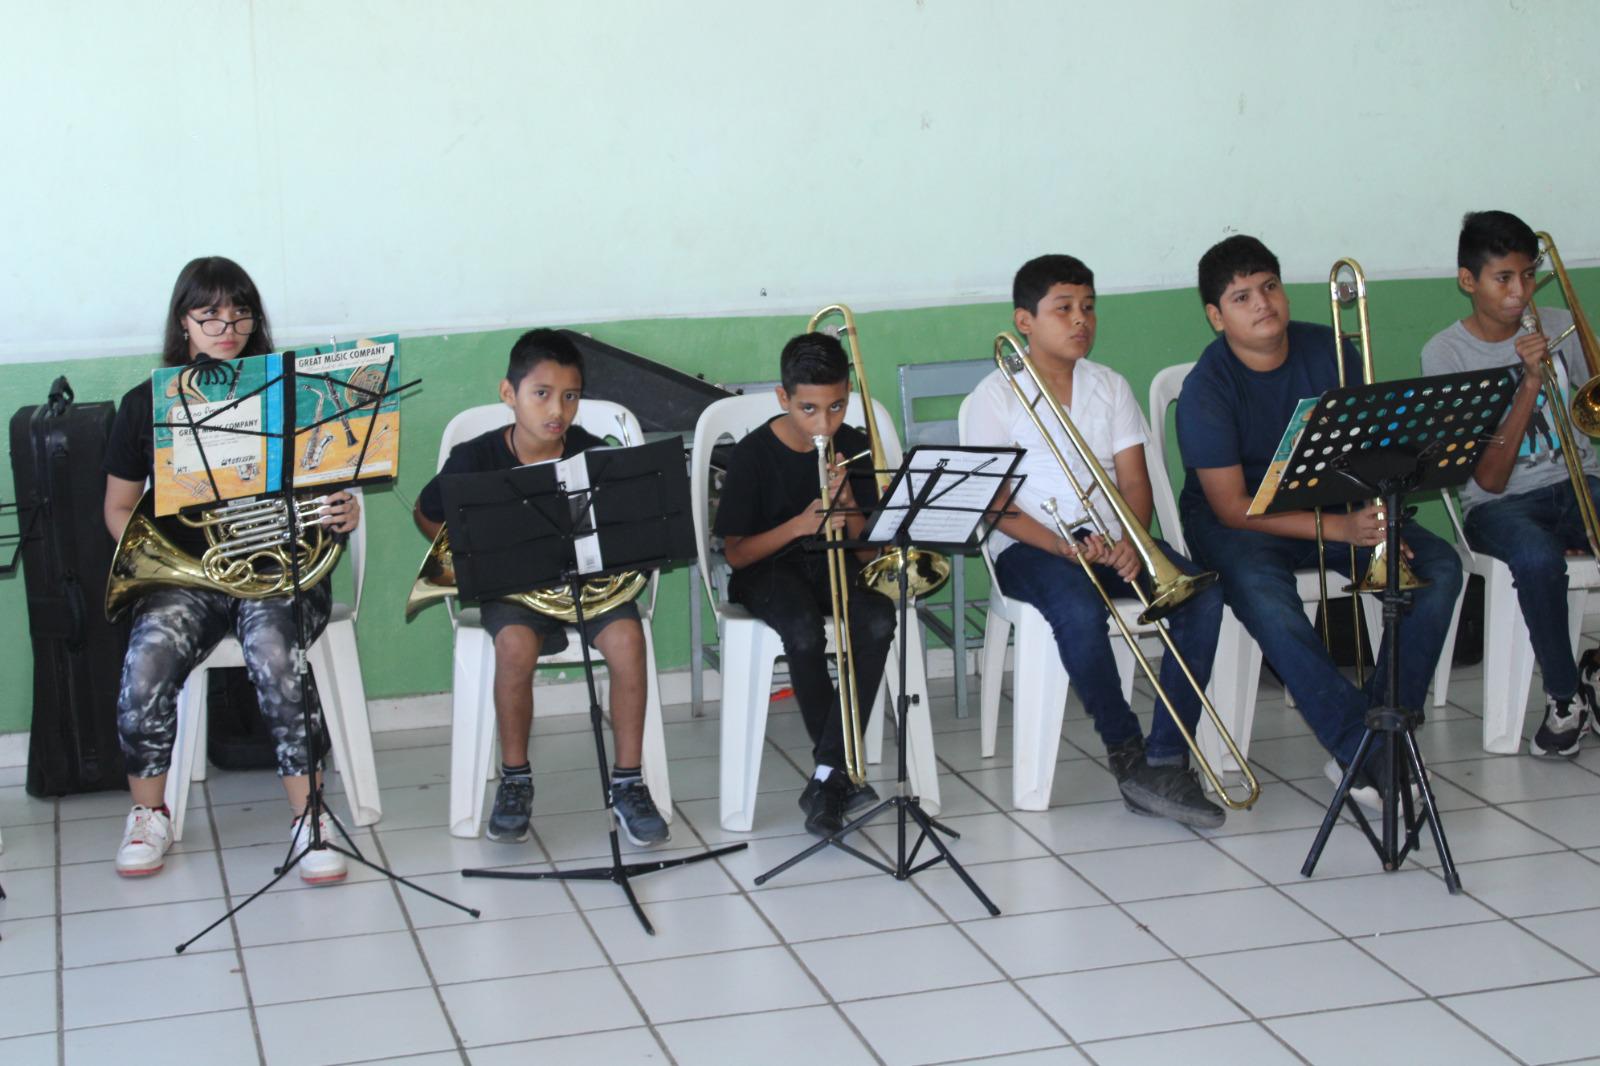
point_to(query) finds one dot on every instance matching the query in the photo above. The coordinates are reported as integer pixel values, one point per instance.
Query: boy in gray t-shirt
(1520, 505)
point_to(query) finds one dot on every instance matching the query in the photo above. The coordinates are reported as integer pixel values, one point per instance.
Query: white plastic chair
(473, 736)
(1507, 651)
(749, 647)
(336, 667)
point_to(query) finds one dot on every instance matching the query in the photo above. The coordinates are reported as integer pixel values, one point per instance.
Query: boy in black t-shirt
(542, 386)
(771, 501)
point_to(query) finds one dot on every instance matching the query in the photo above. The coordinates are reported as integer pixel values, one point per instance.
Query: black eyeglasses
(244, 325)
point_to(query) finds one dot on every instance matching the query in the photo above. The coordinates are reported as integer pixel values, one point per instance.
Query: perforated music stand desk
(528, 528)
(1386, 440)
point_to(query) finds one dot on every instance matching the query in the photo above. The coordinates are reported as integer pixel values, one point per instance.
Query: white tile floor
(1124, 940)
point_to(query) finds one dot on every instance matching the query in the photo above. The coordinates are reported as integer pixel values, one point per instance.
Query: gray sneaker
(1170, 792)
(636, 812)
(513, 804)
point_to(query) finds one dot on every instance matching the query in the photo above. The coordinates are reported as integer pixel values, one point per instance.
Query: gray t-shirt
(1539, 459)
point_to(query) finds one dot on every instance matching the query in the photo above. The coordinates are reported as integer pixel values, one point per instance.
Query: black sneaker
(513, 805)
(1170, 792)
(1562, 729)
(1589, 687)
(859, 798)
(826, 815)
(636, 813)
(1125, 758)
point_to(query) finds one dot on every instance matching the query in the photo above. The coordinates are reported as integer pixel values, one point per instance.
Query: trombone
(1561, 418)
(1170, 587)
(1585, 400)
(926, 571)
(1347, 285)
(839, 593)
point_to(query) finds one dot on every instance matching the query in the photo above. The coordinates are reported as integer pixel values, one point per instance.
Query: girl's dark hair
(207, 282)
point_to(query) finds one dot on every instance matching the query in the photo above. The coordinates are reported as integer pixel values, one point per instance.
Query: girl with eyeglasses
(215, 314)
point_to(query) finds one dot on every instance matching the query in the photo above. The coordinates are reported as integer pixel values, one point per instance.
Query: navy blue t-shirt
(1230, 415)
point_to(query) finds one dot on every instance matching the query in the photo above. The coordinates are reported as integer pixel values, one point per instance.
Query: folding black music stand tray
(316, 804)
(1385, 441)
(920, 487)
(526, 528)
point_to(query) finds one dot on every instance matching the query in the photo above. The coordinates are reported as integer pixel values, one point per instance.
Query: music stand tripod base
(1419, 434)
(904, 805)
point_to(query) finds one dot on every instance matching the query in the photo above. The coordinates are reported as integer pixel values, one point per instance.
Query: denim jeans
(1258, 582)
(1531, 533)
(1062, 592)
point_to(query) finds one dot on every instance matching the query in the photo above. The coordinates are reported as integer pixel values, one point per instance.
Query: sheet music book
(1280, 459)
(217, 425)
(958, 502)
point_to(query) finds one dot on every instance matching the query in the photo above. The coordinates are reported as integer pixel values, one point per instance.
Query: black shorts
(497, 614)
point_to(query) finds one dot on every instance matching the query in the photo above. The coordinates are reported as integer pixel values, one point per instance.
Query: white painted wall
(422, 166)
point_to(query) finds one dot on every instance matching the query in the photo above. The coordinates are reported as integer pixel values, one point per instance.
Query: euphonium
(248, 553)
(926, 571)
(1170, 587)
(1342, 293)
(436, 579)
(839, 595)
(1586, 398)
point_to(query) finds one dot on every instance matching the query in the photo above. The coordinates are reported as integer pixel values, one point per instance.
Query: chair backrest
(928, 381)
(1452, 508)
(356, 548)
(961, 436)
(733, 419)
(1164, 392)
(600, 417)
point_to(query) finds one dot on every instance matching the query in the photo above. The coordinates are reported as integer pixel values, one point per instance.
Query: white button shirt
(1107, 417)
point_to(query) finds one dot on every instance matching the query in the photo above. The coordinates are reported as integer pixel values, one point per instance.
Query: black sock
(525, 770)
(621, 775)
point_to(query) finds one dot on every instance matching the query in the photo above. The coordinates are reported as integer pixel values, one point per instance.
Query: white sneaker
(1367, 796)
(145, 840)
(321, 866)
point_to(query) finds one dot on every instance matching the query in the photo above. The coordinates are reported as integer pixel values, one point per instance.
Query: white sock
(822, 772)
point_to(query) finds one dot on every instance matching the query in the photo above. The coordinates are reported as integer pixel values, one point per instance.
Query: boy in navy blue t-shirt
(1232, 412)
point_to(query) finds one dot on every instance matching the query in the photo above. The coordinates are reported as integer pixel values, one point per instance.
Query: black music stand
(912, 514)
(537, 526)
(284, 440)
(1387, 440)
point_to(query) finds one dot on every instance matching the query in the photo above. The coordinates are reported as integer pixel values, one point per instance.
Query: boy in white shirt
(1054, 309)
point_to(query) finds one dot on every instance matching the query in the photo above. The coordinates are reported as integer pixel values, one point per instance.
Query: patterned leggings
(174, 629)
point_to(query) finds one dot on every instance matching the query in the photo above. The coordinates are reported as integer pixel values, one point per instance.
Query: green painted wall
(1140, 333)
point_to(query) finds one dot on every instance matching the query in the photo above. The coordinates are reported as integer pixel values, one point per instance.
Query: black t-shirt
(489, 451)
(768, 482)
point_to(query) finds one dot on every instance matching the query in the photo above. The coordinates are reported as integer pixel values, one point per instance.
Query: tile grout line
(416, 943)
(233, 925)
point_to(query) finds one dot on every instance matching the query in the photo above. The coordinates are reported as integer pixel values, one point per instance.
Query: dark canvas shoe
(1170, 792)
(1125, 758)
(859, 798)
(826, 816)
(636, 812)
(1562, 729)
(513, 805)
